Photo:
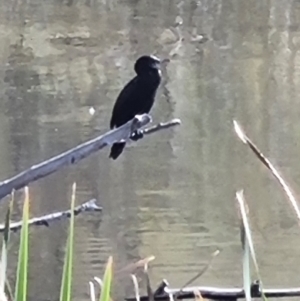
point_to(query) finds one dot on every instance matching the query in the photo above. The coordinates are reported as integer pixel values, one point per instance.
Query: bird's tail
(116, 150)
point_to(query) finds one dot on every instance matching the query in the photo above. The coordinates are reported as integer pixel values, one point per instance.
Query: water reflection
(172, 194)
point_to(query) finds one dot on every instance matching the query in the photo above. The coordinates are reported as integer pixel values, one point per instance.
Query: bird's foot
(137, 135)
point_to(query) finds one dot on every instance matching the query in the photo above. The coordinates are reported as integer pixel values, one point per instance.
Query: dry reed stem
(240, 133)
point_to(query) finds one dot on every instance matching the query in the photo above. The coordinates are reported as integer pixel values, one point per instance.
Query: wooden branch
(78, 153)
(44, 220)
(214, 293)
(161, 126)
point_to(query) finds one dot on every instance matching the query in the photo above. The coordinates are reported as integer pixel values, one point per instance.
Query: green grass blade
(6, 234)
(92, 291)
(3, 264)
(5, 242)
(22, 272)
(66, 282)
(246, 265)
(243, 211)
(107, 280)
(246, 258)
(136, 287)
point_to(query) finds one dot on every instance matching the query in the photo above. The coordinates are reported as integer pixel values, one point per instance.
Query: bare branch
(46, 219)
(80, 152)
(161, 126)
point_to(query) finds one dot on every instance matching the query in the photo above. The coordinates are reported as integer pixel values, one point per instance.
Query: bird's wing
(125, 98)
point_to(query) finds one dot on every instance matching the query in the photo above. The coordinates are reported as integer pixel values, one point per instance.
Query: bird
(137, 97)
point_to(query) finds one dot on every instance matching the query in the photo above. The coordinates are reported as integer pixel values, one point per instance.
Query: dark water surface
(172, 195)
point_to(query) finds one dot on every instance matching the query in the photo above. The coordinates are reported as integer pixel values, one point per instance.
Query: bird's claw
(137, 135)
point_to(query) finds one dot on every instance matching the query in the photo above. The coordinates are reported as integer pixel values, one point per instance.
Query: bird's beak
(157, 65)
(159, 62)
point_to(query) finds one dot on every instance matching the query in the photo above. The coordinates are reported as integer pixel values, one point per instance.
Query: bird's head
(148, 67)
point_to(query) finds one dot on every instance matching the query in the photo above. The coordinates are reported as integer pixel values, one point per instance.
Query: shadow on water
(172, 194)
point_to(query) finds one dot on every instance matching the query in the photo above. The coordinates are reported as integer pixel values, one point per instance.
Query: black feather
(137, 97)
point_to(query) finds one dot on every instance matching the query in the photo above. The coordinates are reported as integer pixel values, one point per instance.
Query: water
(171, 195)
